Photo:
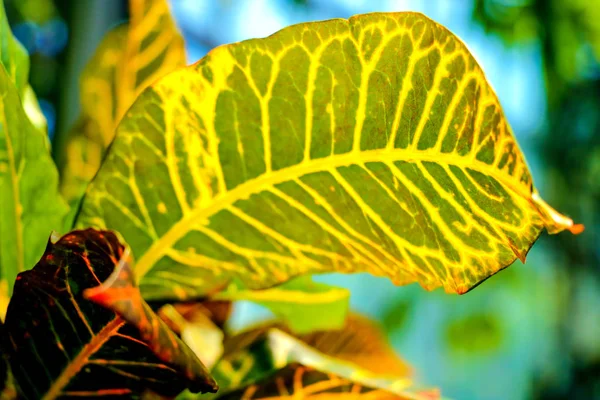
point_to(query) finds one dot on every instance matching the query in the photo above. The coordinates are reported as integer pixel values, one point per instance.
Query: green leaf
(15, 59)
(370, 144)
(304, 305)
(31, 205)
(13, 55)
(64, 345)
(130, 58)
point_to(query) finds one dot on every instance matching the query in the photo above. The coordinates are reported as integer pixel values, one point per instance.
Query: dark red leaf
(63, 345)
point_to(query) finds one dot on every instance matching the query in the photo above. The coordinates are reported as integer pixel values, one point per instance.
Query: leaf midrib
(82, 358)
(256, 185)
(20, 255)
(285, 296)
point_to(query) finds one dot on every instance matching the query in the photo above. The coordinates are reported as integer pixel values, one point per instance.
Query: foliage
(370, 144)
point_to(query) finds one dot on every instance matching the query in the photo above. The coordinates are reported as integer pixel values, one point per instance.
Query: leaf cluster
(371, 144)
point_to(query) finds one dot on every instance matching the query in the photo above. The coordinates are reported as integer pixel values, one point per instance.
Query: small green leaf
(33, 110)
(373, 144)
(31, 206)
(304, 305)
(63, 345)
(15, 59)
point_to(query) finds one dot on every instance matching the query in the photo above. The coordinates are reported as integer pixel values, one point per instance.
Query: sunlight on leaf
(201, 334)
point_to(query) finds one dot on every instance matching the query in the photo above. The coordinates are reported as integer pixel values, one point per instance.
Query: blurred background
(530, 332)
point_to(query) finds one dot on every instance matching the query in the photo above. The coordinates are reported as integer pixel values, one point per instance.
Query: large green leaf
(66, 346)
(369, 144)
(130, 58)
(31, 207)
(304, 305)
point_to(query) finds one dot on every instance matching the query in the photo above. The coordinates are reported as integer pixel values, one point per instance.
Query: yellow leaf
(370, 144)
(128, 60)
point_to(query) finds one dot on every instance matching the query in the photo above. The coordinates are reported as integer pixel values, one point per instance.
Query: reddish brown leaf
(63, 345)
(120, 294)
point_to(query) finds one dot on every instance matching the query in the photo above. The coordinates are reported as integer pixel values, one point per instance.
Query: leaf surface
(300, 382)
(358, 352)
(130, 58)
(64, 345)
(15, 59)
(370, 144)
(201, 334)
(361, 342)
(304, 305)
(13, 55)
(31, 207)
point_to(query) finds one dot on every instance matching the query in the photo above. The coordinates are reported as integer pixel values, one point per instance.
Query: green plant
(371, 144)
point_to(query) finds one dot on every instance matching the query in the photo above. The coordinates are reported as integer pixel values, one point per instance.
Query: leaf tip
(555, 221)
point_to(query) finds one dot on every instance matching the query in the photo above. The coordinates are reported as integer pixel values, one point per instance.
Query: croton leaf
(198, 331)
(370, 144)
(358, 352)
(296, 381)
(129, 58)
(64, 345)
(361, 342)
(304, 305)
(31, 207)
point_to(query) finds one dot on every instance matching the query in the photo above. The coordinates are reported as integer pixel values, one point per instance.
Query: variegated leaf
(130, 58)
(370, 144)
(62, 345)
(296, 381)
(357, 352)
